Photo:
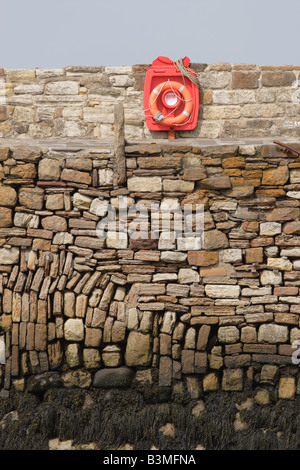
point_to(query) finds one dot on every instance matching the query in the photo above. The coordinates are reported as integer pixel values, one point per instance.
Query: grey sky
(37, 33)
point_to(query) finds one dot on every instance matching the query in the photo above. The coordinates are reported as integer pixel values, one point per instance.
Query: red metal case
(162, 70)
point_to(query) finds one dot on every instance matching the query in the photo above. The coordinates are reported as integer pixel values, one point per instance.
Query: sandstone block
(9, 255)
(55, 202)
(215, 239)
(215, 182)
(210, 382)
(120, 377)
(275, 176)
(287, 388)
(202, 258)
(283, 214)
(228, 334)
(8, 196)
(278, 78)
(178, 186)
(77, 378)
(280, 264)
(74, 330)
(244, 79)
(66, 87)
(138, 349)
(76, 176)
(270, 228)
(49, 169)
(144, 184)
(295, 176)
(231, 255)
(272, 333)
(270, 278)
(72, 355)
(32, 198)
(54, 223)
(254, 255)
(5, 217)
(187, 276)
(232, 380)
(222, 291)
(111, 356)
(248, 334)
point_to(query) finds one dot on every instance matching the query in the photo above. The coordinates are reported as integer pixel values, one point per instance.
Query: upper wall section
(241, 100)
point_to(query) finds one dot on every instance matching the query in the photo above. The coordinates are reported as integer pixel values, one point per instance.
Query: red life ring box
(171, 99)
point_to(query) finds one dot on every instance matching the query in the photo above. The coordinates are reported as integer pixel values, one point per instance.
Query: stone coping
(100, 144)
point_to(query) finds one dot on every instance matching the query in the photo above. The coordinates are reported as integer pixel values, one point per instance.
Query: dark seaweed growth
(113, 418)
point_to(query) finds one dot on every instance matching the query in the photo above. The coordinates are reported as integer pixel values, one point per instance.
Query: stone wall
(236, 100)
(81, 311)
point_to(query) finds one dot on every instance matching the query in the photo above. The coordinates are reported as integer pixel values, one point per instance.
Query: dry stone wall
(81, 311)
(236, 100)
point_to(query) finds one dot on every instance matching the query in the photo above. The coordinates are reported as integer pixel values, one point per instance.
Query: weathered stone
(283, 214)
(42, 382)
(272, 333)
(72, 355)
(188, 361)
(202, 258)
(32, 198)
(169, 321)
(74, 330)
(210, 382)
(278, 78)
(215, 239)
(187, 276)
(173, 256)
(248, 334)
(178, 186)
(231, 255)
(239, 191)
(270, 228)
(268, 373)
(91, 358)
(120, 377)
(54, 223)
(138, 349)
(292, 228)
(144, 184)
(215, 182)
(228, 334)
(270, 278)
(275, 176)
(222, 291)
(287, 388)
(9, 255)
(76, 176)
(49, 169)
(254, 255)
(8, 196)
(67, 87)
(55, 202)
(82, 202)
(77, 378)
(280, 264)
(194, 174)
(232, 380)
(5, 217)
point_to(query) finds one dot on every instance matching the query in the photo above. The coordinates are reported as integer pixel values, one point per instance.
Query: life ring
(174, 120)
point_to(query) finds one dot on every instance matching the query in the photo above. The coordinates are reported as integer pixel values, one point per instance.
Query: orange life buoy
(174, 120)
